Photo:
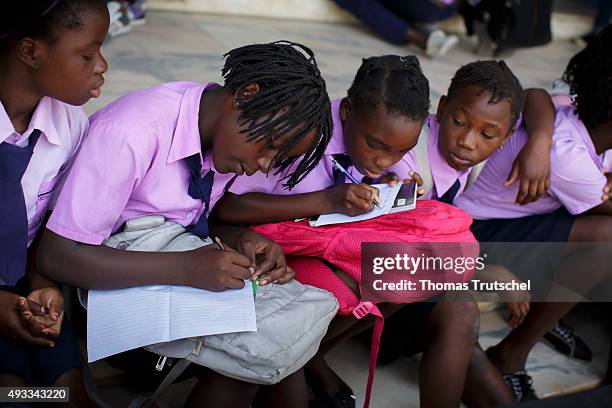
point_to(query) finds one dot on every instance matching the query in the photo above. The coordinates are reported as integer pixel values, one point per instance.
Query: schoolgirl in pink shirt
(51, 64)
(375, 127)
(171, 150)
(576, 208)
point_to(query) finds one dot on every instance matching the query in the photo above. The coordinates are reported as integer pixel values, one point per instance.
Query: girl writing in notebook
(51, 64)
(171, 150)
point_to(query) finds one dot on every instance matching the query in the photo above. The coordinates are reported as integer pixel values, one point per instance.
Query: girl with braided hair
(172, 150)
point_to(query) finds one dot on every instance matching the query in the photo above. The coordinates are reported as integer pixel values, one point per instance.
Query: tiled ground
(174, 46)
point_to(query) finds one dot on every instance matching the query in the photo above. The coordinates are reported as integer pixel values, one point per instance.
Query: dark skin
(70, 68)
(375, 140)
(208, 267)
(511, 354)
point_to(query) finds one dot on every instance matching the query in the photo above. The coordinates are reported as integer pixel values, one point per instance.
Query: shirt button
(189, 214)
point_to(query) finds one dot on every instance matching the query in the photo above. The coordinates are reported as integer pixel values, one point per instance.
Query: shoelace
(565, 331)
(528, 383)
(515, 384)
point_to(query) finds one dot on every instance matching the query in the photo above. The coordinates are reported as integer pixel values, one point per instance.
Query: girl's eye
(87, 57)
(487, 136)
(457, 123)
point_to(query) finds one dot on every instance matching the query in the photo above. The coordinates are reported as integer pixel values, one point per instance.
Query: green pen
(255, 283)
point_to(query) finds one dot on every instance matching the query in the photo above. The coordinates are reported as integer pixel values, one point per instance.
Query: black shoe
(521, 385)
(342, 399)
(562, 338)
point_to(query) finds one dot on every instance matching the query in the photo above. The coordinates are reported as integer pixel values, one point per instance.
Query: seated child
(575, 209)
(171, 150)
(375, 126)
(51, 64)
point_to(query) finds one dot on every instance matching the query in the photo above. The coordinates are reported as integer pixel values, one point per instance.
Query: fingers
(274, 257)
(391, 178)
(249, 250)
(234, 284)
(56, 307)
(238, 259)
(514, 174)
(416, 177)
(21, 334)
(523, 191)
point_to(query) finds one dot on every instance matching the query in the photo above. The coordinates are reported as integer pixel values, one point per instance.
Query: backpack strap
(361, 310)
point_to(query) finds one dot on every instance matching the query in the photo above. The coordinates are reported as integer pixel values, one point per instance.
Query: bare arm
(260, 208)
(604, 208)
(100, 267)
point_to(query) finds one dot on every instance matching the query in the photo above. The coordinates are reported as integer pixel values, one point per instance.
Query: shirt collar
(186, 137)
(43, 119)
(336, 142)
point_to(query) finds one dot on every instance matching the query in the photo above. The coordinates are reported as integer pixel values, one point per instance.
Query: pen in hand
(351, 178)
(255, 282)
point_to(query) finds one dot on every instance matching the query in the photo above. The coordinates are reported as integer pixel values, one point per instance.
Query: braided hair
(589, 75)
(292, 98)
(42, 18)
(492, 76)
(397, 83)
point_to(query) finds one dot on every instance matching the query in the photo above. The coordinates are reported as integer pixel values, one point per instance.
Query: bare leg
(484, 385)
(451, 332)
(11, 380)
(214, 390)
(510, 355)
(74, 380)
(291, 392)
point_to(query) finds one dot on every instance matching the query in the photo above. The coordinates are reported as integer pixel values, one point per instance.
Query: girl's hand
(532, 166)
(43, 311)
(416, 177)
(352, 199)
(518, 312)
(215, 269)
(267, 258)
(11, 325)
(392, 179)
(607, 190)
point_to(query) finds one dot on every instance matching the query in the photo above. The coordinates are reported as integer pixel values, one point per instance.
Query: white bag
(291, 319)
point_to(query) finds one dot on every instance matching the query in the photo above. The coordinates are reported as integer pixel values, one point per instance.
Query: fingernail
(411, 173)
(52, 345)
(263, 282)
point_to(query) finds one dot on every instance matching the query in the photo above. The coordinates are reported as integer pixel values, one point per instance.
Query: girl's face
(232, 153)
(471, 128)
(71, 68)
(376, 140)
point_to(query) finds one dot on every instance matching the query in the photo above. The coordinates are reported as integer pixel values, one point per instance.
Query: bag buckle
(362, 309)
(197, 347)
(161, 361)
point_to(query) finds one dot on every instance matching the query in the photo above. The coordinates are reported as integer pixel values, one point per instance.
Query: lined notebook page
(124, 319)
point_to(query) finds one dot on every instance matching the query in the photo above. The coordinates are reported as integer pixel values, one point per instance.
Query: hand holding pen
(338, 166)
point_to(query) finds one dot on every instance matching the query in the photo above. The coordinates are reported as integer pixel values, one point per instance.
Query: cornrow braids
(43, 18)
(589, 75)
(395, 82)
(492, 76)
(292, 97)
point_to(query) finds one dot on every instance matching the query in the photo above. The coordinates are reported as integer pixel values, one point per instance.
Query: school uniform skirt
(522, 255)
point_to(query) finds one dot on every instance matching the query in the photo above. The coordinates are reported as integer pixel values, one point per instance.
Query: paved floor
(174, 46)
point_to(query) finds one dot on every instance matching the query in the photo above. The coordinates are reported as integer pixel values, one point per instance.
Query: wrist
(327, 205)
(540, 138)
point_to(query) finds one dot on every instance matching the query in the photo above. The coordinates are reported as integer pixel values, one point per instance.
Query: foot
(562, 338)
(521, 385)
(504, 361)
(328, 388)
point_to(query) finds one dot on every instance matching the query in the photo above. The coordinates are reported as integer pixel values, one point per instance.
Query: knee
(602, 231)
(461, 318)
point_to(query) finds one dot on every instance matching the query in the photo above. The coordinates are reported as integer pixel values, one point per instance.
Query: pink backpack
(340, 245)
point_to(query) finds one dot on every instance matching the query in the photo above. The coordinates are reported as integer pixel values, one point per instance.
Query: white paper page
(125, 319)
(387, 195)
(192, 314)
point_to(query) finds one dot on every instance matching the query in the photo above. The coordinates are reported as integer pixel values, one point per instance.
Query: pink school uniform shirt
(62, 128)
(131, 165)
(576, 180)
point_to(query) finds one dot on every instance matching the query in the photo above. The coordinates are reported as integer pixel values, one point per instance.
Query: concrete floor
(174, 46)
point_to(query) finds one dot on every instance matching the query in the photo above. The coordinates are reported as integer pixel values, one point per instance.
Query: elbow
(48, 256)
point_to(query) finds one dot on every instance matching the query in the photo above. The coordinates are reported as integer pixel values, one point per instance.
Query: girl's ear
(245, 93)
(28, 52)
(345, 109)
(441, 107)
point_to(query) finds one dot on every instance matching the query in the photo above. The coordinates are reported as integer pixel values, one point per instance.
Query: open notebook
(124, 319)
(401, 197)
